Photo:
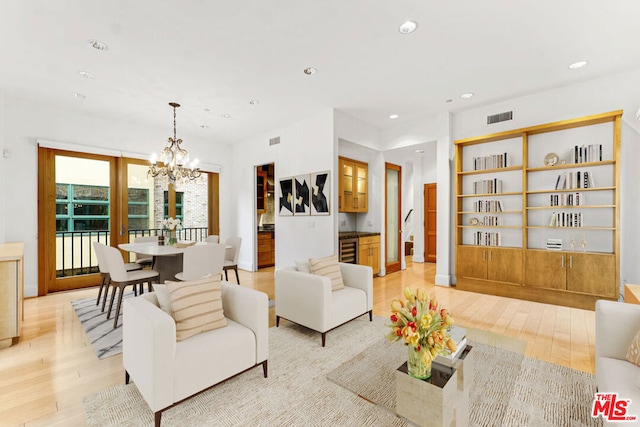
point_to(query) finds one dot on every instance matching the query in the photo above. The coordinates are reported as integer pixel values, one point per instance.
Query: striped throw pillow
(328, 266)
(197, 306)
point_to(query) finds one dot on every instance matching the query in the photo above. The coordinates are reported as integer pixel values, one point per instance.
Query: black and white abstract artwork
(320, 193)
(301, 195)
(285, 199)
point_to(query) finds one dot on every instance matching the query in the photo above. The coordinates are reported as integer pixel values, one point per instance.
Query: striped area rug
(105, 340)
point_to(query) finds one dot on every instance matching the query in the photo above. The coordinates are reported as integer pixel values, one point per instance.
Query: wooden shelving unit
(587, 267)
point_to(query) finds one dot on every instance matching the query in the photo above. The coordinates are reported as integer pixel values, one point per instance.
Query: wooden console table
(11, 292)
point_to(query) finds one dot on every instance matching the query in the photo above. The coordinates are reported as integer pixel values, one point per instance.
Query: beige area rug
(509, 389)
(298, 393)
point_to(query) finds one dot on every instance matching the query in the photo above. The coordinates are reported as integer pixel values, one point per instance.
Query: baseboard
(443, 280)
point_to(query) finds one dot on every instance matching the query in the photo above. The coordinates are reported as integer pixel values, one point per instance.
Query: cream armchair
(616, 325)
(307, 299)
(167, 372)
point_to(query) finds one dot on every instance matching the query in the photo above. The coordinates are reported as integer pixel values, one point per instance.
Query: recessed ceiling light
(206, 110)
(310, 70)
(254, 102)
(86, 75)
(420, 151)
(97, 44)
(578, 64)
(408, 27)
(225, 116)
(467, 95)
(204, 126)
(78, 95)
(449, 100)
(393, 116)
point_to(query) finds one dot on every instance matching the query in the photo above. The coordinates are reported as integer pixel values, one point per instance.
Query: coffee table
(372, 373)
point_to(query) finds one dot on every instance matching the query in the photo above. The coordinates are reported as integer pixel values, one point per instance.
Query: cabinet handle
(562, 261)
(571, 261)
(355, 201)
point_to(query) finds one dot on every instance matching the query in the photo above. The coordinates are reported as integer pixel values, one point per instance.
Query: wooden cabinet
(522, 191)
(369, 252)
(490, 263)
(261, 191)
(587, 273)
(266, 249)
(11, 292)
(353, 184)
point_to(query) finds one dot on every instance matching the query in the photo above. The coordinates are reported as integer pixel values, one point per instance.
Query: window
(179, 205)
(81, 207)
(138, 208)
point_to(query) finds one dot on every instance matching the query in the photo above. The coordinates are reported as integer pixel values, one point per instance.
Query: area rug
(297, 391)
(105, 340)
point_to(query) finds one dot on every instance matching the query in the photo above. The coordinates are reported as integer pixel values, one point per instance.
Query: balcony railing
(74, 249)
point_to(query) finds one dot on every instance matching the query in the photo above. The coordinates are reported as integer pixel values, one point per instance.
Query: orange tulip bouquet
(424, 327)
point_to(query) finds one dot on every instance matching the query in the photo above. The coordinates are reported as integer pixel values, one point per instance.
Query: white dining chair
(231, 257)
(201, 260)
(104, 272)
(144, 260)
(121, 278)
(212, 238)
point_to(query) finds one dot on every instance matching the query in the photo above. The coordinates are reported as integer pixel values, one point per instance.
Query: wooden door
(393, 216)
(592, 274)
(545, 269)
(430, 213)
(504, 265)
(471, 262)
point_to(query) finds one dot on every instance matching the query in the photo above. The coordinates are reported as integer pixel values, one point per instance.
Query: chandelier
(174, 158)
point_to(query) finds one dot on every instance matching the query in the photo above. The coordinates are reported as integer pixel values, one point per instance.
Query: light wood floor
(45, 376)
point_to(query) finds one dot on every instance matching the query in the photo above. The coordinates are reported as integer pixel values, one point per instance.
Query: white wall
(305, 146)
(25, 122)
(591, 97)
(3, 167)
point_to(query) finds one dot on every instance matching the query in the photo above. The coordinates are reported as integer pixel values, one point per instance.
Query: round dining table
(167, 259)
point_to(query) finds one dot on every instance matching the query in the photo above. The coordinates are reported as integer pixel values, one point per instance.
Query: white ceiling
(219, 55)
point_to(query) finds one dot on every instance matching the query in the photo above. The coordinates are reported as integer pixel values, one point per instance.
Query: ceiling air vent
(274, 141)
(500, 117)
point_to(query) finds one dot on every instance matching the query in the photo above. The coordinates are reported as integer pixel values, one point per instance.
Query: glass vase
(415, 364)
(171, 237)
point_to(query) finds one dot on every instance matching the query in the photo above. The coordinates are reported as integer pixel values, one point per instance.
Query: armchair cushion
(329, 267)
(633, 353)
(197, 307)
(164, 299)
(303, 266)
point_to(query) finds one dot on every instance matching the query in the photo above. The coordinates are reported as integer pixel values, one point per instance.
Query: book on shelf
(492, 161)
(554, 244)
(566, 219)
(566, 199)
(487, 186)
(587, 153)
(485, 238)
(574, 179)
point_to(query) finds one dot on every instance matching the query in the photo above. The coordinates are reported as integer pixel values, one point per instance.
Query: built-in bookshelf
(537, 211)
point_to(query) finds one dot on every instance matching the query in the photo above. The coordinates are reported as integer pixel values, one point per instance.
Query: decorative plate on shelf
(474, 221)
(551, 159)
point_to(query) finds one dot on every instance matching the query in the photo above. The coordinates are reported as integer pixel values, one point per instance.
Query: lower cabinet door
(471, 262)
(545, 269)
(592, 274)
(504, 265)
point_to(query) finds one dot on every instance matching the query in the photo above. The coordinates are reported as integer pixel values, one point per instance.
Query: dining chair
(104, 272)
(201, 260)
(231, 257)
(212, 238)
(144, 260)
(121, 278)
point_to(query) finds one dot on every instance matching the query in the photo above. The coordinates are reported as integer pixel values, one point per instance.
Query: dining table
(167, 259)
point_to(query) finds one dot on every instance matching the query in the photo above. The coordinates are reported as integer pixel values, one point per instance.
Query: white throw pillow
(303, 266)
(164, 300)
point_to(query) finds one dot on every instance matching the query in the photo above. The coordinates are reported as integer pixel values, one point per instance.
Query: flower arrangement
(423, 326)
(171, 224)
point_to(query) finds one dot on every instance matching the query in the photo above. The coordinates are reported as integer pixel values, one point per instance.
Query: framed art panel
(285, 197)
(301, 195)
(320, 193)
